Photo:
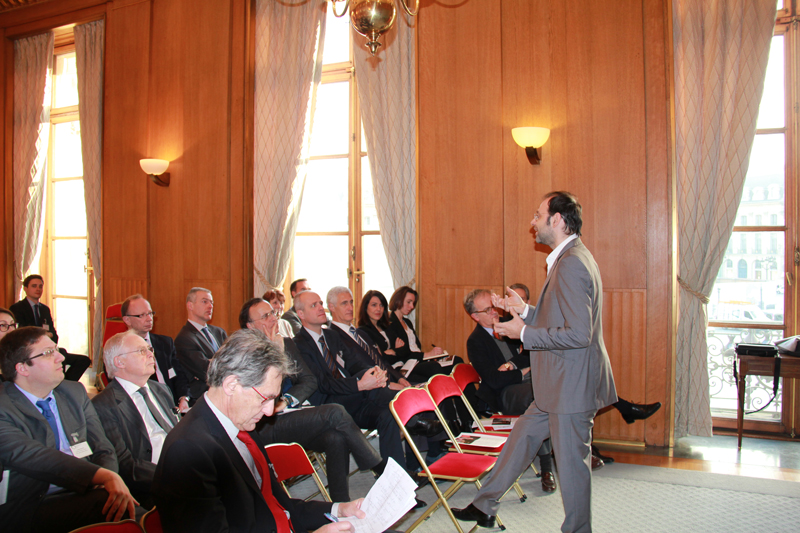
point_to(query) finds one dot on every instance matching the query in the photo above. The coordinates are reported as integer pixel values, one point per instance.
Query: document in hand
(431, 356)
(388, 500)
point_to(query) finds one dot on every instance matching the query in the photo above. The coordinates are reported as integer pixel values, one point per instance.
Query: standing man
(214, 474)
(298, 285)
(197, 341)
(570, 370)
(31, 312)
(61, 470)
(139, 316)
(136, 413)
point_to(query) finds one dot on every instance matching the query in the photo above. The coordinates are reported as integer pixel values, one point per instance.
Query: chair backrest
(114, 311)
(104, 378)
(409, 402)
(442, 387)
(114, 323)
(126, 526)
(151, 522)
(464, 374)
(289, 460)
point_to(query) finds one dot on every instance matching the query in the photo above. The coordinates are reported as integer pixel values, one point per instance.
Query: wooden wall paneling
(125, 216)
(460, 153)
(50, 15)
(661, 219)
(455, 331)
(7, 221)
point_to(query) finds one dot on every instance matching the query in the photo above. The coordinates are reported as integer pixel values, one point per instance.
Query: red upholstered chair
(290, 461)
(151, 522)
(464, 374)
(114, 323)
(126, 526)
(458, 468)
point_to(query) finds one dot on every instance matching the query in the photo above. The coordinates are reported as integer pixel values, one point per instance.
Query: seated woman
(276, 299)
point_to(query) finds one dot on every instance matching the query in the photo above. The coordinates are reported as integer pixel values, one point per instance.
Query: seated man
(327, 429)
(214, 474)
(31, 312)
(197, 340)
(298, 285)
(52, 444)
(138, 316)
(505, 373)
(136, 413)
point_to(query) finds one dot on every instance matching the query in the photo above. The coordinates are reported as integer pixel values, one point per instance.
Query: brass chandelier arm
(346, 5)
(407, 10)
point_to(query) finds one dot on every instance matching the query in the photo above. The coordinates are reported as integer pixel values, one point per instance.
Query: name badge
(46, 327)
(171, 373)
(340, 360)
(81, 450)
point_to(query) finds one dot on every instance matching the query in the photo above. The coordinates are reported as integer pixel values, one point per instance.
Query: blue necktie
(36, 320)
(210, 338)
(44, 405)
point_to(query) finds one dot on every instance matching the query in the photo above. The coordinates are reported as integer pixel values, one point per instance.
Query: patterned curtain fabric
(387, 96)
(288, 66)
(89, 49)
(33, 65)
(721, 53)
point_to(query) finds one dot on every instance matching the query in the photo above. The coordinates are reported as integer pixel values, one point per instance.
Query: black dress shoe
(548, 482)
(633, 412)
(419, 505)
(597, 463)
(473, 514)
(596, 453)
(426, 427)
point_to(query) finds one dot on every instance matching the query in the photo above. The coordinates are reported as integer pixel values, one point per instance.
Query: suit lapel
(38, 425)
(552, 270)
(207, 348)
(128, 408)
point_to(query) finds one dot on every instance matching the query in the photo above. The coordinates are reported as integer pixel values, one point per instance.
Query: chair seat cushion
(465, 466)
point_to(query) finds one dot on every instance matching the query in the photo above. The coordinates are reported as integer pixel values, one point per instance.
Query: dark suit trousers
(77, 365)
(66, 511)
(330, 430)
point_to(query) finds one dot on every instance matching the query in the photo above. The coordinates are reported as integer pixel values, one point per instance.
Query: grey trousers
(571, 435)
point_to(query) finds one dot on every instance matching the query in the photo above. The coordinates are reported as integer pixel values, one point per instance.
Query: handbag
(759, 350)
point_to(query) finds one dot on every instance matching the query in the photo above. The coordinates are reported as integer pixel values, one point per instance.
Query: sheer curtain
(289, 39)
(387, 96)
(89, 49)
(33, 65)
(721, 53)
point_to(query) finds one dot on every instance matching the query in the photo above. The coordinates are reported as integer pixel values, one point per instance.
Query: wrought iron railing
(722, 387)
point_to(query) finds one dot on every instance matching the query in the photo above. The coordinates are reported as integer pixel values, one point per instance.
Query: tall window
(338, 239)
(64, 260)
(747, 303)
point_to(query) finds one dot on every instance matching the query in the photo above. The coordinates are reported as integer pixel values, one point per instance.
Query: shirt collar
(227, 425)
(313, 334)
(31, 302)
(33, 398)
(551, 259)
(130, 387)
(344, 327)
(197, 325)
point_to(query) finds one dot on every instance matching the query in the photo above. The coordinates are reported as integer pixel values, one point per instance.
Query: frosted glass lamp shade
(530, 136)
(154, 166)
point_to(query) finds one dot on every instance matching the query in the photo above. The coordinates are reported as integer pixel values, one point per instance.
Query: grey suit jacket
(194, 353)
(28, 450)
(570, 370)
(125, 429)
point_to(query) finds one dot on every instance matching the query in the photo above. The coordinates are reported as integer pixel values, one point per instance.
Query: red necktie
(281, 520)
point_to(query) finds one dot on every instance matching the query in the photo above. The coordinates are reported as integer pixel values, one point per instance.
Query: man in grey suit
(570, 370)
(136, 412)
(197, 341)
(52, 445)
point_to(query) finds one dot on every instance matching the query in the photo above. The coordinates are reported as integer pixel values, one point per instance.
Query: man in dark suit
(570, 370)
(298, 285)
(505, 373)
(326, 428)
(136, 413)
(31, 312)
(139, 317)
(345, 380)
(197, 341)
(340, 305)
(52, 444)
(213, 474)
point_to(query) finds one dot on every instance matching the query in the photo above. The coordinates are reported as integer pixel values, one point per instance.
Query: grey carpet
(632, 498)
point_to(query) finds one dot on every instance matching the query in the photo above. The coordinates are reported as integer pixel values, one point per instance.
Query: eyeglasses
(487, 310)
(6, 327)
(143, 315)
(143, 351)
(266, 400)
(264, 316)
(47, 353)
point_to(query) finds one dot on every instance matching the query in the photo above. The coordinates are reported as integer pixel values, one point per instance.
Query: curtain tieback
(699, 295)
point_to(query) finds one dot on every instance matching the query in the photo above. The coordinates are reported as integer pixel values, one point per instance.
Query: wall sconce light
(156, 169)
(531, 139)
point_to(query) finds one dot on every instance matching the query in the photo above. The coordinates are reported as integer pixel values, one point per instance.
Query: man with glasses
(214, 473)
(136, 412)
(139, 317)
(197, 341)
(7, 323)
(31, 312)
(61, 470)
(327, 428)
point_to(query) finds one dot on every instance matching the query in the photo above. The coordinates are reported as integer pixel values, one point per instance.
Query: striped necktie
(326, 354)
(376, 358)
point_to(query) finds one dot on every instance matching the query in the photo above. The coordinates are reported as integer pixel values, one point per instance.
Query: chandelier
(372, 18)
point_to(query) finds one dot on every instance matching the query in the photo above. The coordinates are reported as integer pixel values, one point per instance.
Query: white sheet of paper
(4, 487)
(431, 356)
(388, 500)
(480, 440)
